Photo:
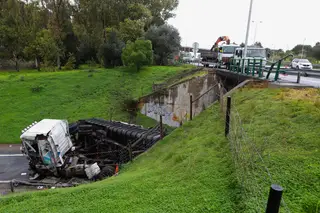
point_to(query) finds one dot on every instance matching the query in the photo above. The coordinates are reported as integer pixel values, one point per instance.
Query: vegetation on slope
(189, 171)
(281, 126)
(192, 170)
(72, 95)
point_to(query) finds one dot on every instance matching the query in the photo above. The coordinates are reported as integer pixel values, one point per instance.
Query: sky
(285, 23)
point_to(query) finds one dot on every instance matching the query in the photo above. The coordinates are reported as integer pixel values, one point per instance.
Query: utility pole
(304, 40)
(248, 30)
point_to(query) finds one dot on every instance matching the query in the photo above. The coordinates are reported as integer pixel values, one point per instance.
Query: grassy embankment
(30, 96)
(191, 170)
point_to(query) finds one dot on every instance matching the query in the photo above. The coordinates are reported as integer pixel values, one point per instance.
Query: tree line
(72, 32)
(306, 51)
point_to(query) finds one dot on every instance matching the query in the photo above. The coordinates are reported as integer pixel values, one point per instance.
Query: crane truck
(220, 53)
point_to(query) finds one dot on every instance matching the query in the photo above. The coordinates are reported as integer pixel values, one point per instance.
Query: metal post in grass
(161, 128)
(254, 66)
(260, 69)
(276, 77)
(130, 151)
(190, 107)
(274, 199)
(298, 78)
(227, 129)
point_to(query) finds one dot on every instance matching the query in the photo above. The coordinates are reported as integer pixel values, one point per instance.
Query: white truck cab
(46, 142)
(256, 53)
(225, 52)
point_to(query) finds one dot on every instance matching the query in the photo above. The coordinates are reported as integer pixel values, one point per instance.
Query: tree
(110, 52)
(242, 44)
(258, 44)
(316, 51)
(307, 50)
(131, 30)
(13, 29)
(44, 47)
(137, 53)
(161, 10)
(165, 42)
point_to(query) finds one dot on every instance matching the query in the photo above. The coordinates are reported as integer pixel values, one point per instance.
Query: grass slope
(71, 95)
(284, 125)
(188, 171)
(191, 170)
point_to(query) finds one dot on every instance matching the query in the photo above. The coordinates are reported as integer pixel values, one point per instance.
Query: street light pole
(303, 48)
(248, 30)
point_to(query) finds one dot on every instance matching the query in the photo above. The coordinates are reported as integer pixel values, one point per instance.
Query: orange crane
(220, 39)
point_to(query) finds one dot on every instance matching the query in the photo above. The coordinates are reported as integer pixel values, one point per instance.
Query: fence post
(190, 107)
(276, 77)
(130, 151)
(260, 69)
(298, 77)
(161, 128)
(228, 116)
(274, 199)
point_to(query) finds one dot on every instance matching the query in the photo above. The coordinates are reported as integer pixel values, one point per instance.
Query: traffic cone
(116, 170)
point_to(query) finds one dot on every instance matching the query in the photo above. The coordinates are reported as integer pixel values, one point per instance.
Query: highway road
(13, 165)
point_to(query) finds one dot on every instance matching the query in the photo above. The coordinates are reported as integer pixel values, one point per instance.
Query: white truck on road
(256, 53)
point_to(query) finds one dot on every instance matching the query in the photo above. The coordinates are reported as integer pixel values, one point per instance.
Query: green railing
(251, 67)
(247, 66)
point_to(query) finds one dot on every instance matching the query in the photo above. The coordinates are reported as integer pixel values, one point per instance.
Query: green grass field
(192, 170)
(30, 96)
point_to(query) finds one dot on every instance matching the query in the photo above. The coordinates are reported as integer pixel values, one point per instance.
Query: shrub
(137, 53)
(37, 88)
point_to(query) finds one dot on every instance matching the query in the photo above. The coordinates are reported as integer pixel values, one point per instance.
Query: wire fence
(251, 169)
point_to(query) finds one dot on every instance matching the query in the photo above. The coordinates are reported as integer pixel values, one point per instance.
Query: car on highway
(301, 64)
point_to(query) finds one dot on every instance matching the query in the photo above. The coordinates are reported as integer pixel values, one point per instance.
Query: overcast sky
(285, 23)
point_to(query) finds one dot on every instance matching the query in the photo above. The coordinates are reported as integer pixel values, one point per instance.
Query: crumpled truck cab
(45, 143)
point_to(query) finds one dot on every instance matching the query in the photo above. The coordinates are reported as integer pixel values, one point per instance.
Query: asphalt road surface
(13, 165)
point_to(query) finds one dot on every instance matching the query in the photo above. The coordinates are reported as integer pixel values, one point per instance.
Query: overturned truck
(90, 148)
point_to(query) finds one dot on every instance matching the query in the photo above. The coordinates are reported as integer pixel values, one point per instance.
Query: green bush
(37, 88)
(138, 53)
(70, 65)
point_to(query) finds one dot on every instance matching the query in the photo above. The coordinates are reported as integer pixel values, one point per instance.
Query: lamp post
(304, 40)
(248, 30)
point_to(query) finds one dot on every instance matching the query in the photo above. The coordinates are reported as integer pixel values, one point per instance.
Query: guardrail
(255, 66)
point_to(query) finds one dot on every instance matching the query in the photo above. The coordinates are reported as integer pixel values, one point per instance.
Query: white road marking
(11, 155)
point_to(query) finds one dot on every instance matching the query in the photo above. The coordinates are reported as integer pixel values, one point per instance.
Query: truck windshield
(256, 53)
(228, 49)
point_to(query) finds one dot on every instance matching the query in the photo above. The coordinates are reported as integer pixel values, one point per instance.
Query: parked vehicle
(301, 64)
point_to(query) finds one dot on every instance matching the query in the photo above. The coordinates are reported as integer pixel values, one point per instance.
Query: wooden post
(130, 151)
(298, 78)
(274, 199)
(228, 116)
(161, 128)
(190, 107)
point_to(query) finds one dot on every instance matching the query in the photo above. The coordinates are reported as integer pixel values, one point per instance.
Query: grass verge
(189, 171)
(28, 95)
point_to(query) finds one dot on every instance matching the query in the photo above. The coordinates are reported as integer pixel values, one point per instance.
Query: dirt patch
(257, 84)
(310, 94)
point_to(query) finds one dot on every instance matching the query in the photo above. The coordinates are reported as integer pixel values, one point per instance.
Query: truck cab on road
(253, 53)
